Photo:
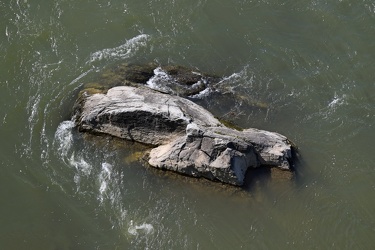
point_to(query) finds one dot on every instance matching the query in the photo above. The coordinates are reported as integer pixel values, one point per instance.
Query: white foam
(204, 93)
(80, 77)
(4, 118)
(64, 137)
(232, 77)
(136, 229)
(160, 76)
(83, 168)
(7, 33)
(80, 164)
(123, 51)
(337, 101)
(104, 179)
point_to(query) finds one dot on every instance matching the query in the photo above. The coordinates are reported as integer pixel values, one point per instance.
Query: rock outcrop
(186, 138)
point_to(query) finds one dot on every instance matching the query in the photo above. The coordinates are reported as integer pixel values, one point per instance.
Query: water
(304, 69)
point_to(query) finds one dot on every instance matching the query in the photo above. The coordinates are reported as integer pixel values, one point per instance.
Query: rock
(202, 153)
(176, 80)
(180, 81)
(187, 138)
(139, 114)
(128, 74)
(274, 149)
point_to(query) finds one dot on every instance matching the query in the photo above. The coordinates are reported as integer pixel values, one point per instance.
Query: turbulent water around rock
(303, 69)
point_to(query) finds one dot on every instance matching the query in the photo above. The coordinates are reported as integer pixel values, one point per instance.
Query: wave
(204, 93)
(123, 51)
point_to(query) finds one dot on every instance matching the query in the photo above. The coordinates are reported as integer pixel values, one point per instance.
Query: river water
(306, 69)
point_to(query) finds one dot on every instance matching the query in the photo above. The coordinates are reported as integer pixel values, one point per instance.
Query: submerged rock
(176, 80)
(187, 138)
(180, 81)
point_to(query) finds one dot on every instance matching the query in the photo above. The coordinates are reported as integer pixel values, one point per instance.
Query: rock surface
(187, 138)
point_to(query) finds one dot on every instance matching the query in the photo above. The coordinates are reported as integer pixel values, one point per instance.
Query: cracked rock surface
(187, 138)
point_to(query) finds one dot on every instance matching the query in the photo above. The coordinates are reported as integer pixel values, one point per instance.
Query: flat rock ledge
(186, 138)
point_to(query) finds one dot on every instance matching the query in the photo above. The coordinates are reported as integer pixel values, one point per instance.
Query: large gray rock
(187, 138)
(204, 153)
(139, 114)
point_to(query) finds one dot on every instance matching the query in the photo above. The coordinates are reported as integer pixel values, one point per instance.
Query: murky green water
(309, 63)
